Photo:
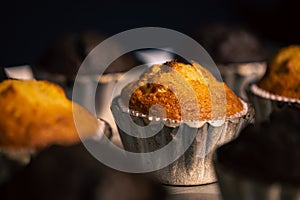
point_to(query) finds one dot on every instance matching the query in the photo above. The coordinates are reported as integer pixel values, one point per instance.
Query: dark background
(28, 27)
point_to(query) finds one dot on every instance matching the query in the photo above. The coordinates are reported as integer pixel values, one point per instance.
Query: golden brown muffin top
(35, 114)
(183, 91)
(283, 73)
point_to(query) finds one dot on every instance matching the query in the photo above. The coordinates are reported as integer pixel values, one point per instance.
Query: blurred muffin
(239, 53)
(232, 44)
(282, 75)
(280, 85)
(264, 161)
(66, 54)
(188, 95)
(36, 114)
(62, 59)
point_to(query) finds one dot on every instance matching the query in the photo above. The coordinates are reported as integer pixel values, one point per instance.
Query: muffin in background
(35, 115)
(239, 53)
(210, 110)
(232, 44)
(280, 86)
(62, 59)
(282, 75)
(264, 161)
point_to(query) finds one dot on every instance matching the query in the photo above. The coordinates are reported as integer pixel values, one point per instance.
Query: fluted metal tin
(265, 103)
(194, 167)
(239, 75)
(236, 186)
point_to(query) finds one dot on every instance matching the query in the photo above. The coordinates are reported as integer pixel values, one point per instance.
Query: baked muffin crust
(283, 73)
(35, 114)
(183, 91)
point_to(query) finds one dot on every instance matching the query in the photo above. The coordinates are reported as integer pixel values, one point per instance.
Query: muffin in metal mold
(279, 87)
(194, 167)
(265, 102)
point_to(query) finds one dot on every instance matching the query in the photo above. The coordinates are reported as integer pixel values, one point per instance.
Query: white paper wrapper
(265, 103)
(239, 75)
(194, 167)
(234, 186)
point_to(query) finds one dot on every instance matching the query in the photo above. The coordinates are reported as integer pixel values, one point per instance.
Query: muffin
(64, 56)
(181, 97)
(62, 59)
(37, 114)
(282, 77)
(231, 44)
(264, 161)
(279, 87)
(239, 53)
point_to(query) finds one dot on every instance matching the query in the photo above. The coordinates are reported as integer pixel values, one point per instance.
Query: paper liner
(265, 103)
(235, 186)
(239, 75)
(194, 167)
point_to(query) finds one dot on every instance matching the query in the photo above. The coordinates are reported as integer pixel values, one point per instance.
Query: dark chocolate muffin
(239, 52)
(231, 44)
(66, 54)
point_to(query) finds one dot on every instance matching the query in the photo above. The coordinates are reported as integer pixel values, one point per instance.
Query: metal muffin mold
(194, 167)
(265, 103)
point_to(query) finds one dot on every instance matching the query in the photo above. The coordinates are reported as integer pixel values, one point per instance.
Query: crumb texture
(182, 91)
